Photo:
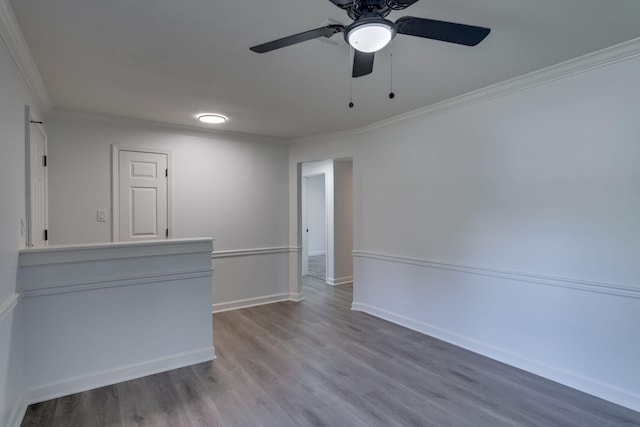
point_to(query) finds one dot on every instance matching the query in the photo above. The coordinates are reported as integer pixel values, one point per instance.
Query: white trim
(581, 64)
(249, 302)
(20, 405)
(339, 280)
(112, 376)
(8, 305)
(16, 43)
(114, 282)
(66, 254)
(29, 121)
(570, 379)
(19, 410)
(296, 297)
(252, 252)
(589, 286)
(318, 253)
(115, 188)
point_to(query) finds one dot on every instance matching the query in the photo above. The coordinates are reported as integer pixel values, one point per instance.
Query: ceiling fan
(370, 31)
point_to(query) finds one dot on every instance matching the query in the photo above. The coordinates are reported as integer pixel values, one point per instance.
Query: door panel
(144, 217)
(37, 187)
(143, 195)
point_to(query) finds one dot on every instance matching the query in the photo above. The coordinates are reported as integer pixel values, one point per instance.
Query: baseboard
(100, 379)
(296, 297)
(249, 302)
(578, 382)
(8, 305)
(19, 410)
(339, 280)
(7, 308)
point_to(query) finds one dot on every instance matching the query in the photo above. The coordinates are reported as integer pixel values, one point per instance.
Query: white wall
(105, 313)
(14, 95)
(343, 220)
(509, 225)
(230, 188)
(316, 215)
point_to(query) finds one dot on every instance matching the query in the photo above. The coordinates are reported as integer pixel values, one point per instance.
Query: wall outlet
(102, 215)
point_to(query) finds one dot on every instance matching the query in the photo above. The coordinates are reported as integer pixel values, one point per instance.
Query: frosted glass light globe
(370, 38)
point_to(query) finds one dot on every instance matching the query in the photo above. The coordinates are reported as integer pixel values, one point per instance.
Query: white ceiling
(167, 60)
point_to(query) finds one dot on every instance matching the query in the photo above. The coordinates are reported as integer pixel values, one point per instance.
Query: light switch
(102, 215)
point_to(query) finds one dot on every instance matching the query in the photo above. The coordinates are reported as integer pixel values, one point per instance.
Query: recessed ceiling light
(212, 118)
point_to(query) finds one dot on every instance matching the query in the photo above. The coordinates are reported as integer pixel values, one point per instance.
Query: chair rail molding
(251, 252)
(589, 286)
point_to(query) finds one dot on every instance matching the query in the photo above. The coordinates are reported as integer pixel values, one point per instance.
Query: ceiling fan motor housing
(357, 9)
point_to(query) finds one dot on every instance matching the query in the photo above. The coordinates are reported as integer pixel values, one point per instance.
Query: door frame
(115, 187)
(305, 233)
(30, 120)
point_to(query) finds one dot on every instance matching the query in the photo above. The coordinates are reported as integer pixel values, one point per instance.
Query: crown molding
(610, 55)
(125, 122)
(16, 43)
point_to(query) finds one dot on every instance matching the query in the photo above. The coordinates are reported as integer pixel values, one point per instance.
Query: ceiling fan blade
(451, 32)
(400, 4)
(362, 63)
(341, 3)
(327, 31)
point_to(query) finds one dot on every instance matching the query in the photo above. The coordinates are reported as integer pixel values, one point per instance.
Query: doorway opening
(326, 226)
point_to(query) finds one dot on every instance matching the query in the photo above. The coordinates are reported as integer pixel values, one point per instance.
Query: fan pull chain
(391, 94)
(351, 55)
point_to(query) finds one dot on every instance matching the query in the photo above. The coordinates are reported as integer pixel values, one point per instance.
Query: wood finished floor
(317, 266)
(317, 363)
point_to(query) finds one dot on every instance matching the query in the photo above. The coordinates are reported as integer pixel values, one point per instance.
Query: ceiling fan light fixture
(212, 118)
(370, 34)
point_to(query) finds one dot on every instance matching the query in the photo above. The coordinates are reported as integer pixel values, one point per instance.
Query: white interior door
(37, 217)
(142, 196)
(305, 229)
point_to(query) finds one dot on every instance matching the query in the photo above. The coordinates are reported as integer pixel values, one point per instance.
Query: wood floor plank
(100, 401)
(40, 414)
(318, 363)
